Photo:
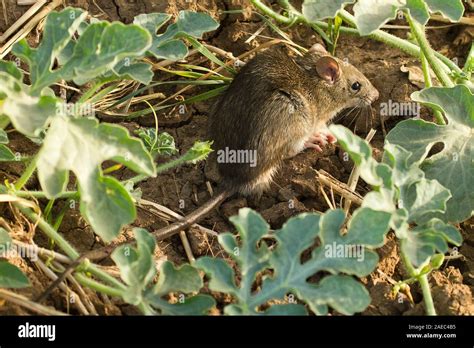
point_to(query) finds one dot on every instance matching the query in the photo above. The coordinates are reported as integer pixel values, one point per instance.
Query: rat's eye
(356, 87)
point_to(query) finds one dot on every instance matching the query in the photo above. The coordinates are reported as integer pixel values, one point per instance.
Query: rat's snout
(372, 96)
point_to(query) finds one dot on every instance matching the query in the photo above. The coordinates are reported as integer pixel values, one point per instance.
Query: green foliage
(406, 194)
(315, 10)
(5, 153)
(453, 166)
(188, 25)
(10, 275)
(285, 276)
(370, 15)
(104, 201)
(138, 270)
(97, 52)
(161, 144)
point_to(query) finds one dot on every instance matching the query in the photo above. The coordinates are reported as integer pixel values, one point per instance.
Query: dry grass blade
(58, 282)
(28, 27)
(26, 303)
(339, 187)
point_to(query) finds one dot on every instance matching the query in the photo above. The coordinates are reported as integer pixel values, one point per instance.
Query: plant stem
(419, 33)
(49, 231)
(427, 77)
(378, 35)
(422, 279)
(65, 246)
(90, 92)
(425, 288)
(41, 194)
(92, 284)
(30, 169)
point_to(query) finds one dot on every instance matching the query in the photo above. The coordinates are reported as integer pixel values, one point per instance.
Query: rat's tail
(194, 217)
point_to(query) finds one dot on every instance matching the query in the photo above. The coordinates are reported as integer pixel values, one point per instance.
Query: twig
(340, 187)
(50, 274)
(26, 303)
(28, 27)
(187, 247)
(168, 214)
(85, 298)
(27, 15)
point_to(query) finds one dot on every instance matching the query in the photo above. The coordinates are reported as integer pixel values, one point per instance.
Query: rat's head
(339, 82)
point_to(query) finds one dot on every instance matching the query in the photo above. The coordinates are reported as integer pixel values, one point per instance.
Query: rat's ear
(328, 69)
(318, 50)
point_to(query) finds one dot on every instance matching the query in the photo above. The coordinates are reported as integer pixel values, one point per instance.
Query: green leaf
(286, 309)
(102, 47)
(11, 69)
(6, 155)
(183, 279)
(198, 152)
(423, 198)
(372, 14)
(81, 146)
(5, 240)
(162, 144)
(424, 241)
(29, 114)
(168, 45)
(315, 10)
(453, 166)
(195, 305)
(12, 277)
(137, 267)
(289, 275)
(58, 30)
(361, 153)
(418, 10)
(97, 53)
(222, 276)
(140, 72)
(3, 137)
(452, 9)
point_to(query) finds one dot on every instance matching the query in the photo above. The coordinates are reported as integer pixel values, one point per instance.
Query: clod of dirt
(232, 207)
(450, 296)
(281, 212)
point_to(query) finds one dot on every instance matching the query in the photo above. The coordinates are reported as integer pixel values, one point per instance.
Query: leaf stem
(420, 35)
(30, 169)
(95, 285)
(66, 247)
(427, 77)
(422, 279)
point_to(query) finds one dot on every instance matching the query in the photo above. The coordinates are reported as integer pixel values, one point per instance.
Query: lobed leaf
(453, 166)
(188, 24)
(289, 274)
(81, 146)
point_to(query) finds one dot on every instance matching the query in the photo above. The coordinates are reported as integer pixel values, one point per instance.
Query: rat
(275, 107)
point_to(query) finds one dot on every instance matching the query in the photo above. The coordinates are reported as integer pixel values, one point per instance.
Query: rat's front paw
(319, 139)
